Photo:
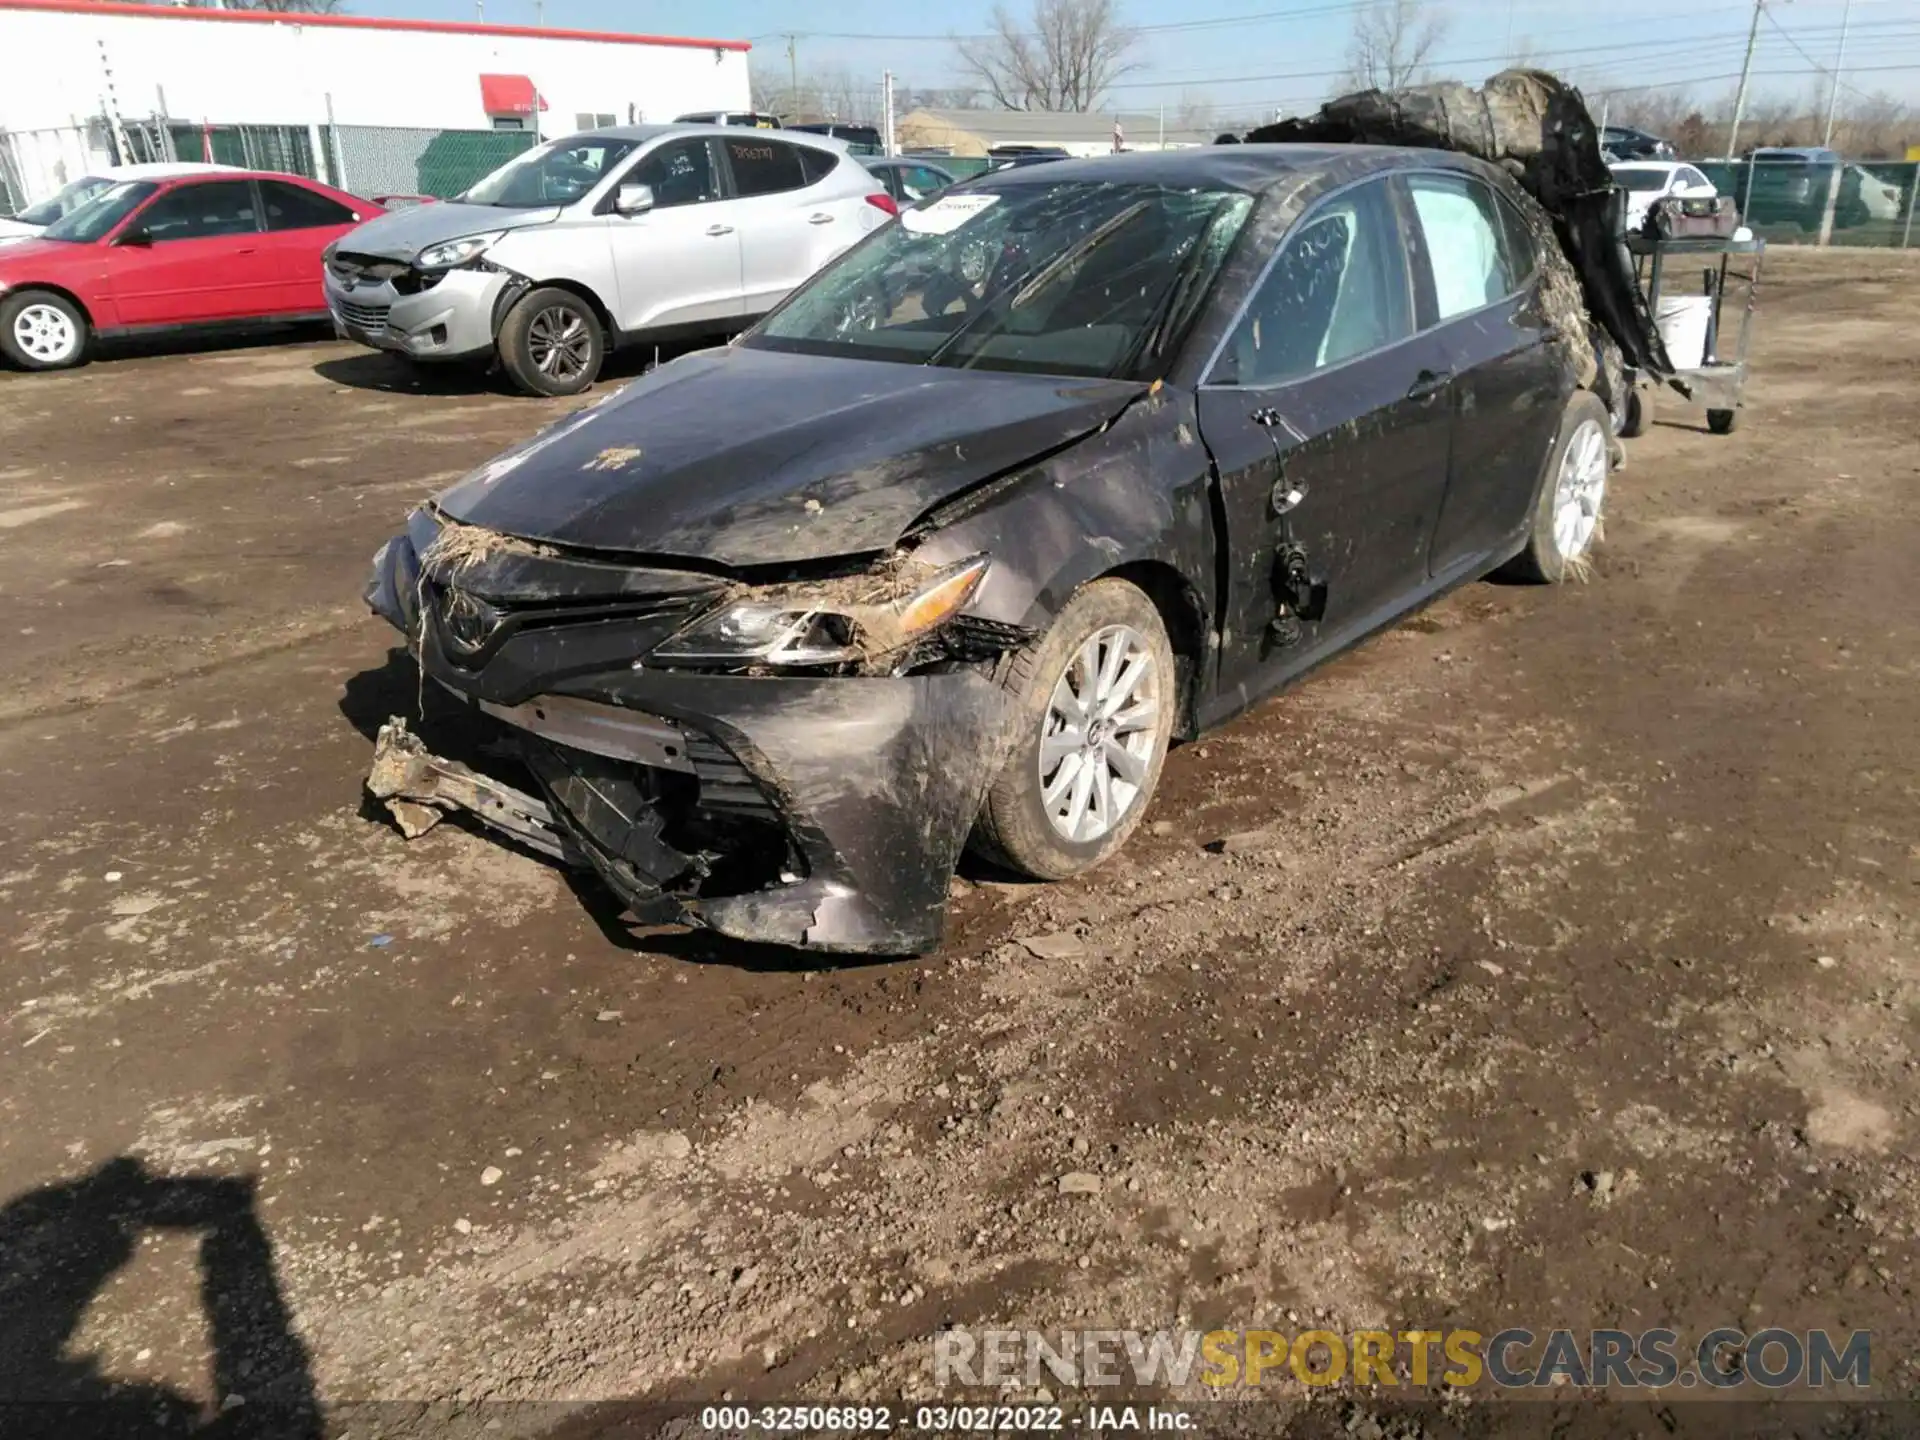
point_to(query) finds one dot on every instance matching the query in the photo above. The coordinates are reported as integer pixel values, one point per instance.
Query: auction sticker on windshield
(946, 214)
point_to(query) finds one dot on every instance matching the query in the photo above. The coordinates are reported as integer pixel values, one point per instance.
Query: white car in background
(35, 218)
(600, 240)
(1646, 181)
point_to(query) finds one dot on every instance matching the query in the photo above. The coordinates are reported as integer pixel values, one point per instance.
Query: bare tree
(920, 97)
(1194, 112)
(829, 92)
(1071, 51)
(1391, 43)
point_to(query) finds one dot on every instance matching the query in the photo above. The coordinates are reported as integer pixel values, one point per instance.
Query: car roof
(644, 133)
(1252, 168)
(159, 169)
(1648, 164)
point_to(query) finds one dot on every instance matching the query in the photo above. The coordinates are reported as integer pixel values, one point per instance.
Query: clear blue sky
(1248, 56)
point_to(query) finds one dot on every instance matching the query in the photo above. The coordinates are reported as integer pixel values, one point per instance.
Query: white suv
(600, 240)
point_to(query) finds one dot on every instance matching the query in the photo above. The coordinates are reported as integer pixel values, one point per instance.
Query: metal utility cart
(1716, 382)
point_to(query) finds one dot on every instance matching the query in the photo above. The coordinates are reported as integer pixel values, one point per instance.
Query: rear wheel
(1096, 696)
(551, 343)
(1638, 414)
(1566, 518)
(40, 330)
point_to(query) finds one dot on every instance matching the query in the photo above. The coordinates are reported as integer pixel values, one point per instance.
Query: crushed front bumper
(824, 812)
(451, 320)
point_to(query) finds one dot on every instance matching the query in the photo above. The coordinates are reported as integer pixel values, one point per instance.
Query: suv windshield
(66, 202)
(557, 173)
(1077, 278)
(94, 218)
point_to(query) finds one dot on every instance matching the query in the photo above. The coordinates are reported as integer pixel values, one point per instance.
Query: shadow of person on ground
(59, 1246)
(396, 374)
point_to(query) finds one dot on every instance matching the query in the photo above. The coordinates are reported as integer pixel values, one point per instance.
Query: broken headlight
(451, 254)
(829, 624)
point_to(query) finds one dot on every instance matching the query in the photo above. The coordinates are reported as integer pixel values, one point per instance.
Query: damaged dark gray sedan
(1066, 464)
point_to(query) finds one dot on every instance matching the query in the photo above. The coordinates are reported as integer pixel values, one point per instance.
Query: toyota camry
(1065, 465)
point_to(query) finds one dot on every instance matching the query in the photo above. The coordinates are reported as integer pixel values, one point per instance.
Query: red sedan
(171, 254)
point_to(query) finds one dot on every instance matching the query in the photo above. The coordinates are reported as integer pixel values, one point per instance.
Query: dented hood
(745, 457)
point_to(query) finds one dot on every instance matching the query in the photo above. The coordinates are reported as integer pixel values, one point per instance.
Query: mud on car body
(1072, 461)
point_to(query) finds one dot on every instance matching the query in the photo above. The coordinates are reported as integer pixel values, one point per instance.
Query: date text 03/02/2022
(939, 1419)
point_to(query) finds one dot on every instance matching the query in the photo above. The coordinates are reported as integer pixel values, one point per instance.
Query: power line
(1341, 70)
(1831, 73)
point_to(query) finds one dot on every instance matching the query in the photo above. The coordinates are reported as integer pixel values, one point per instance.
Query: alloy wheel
(1099, 733)
(560, 343)
(1579, 490)
(45, 332)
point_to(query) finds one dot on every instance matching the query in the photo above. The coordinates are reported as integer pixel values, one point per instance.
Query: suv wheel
(551, 343)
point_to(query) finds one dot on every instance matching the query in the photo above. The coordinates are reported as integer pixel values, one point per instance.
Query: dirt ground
(1558, 967)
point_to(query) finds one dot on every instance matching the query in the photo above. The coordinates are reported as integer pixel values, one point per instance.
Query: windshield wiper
(1086, 245)
(1171, 311)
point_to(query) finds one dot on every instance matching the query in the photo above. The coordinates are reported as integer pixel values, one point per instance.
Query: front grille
(349, 268)
(371, 318)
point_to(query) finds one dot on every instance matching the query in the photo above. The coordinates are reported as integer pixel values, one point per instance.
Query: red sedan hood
(20, 259)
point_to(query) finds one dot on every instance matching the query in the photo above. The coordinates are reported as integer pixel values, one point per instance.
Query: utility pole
(886, 113)
(1740, 95)
(1833, 90)
(793, 70)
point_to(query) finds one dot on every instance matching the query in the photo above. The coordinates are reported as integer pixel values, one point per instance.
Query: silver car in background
(599, 240)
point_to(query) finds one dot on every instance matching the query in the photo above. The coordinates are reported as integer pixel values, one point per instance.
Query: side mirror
(138, 235)
(633, 199)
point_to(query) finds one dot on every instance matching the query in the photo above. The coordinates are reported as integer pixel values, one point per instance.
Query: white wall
(244, 72)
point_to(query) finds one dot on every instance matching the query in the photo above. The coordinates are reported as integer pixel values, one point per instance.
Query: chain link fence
(366, 160)
(375, 160)
(1811, 202)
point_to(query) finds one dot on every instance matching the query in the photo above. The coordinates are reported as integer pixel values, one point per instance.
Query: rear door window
(918, 182)
(1523, 256)
(1462, 226)
(763, 167)
(294, 207)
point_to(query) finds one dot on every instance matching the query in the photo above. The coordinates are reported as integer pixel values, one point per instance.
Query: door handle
(248, 251)
(1428, 382)
(819, 219)
(719, 230)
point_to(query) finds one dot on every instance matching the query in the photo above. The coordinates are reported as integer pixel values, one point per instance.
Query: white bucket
(1682, 322)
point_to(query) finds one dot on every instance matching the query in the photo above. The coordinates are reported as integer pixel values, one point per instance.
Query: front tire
(1096, 697)
(551, 343)
(1566, 517)
(40, 330)
(1723, 422)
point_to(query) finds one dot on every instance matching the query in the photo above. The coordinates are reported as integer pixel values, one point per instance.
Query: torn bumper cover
(812, 810)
